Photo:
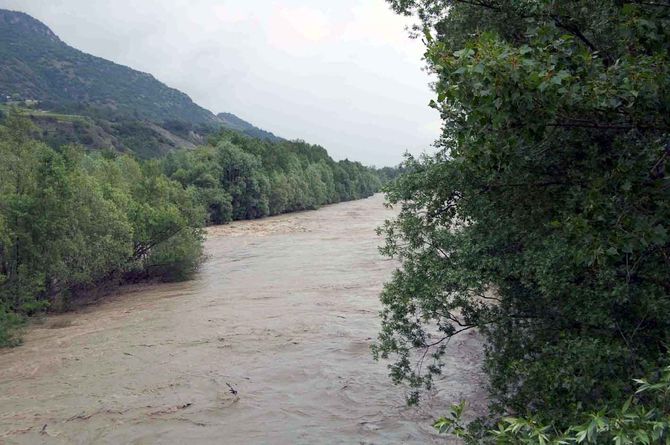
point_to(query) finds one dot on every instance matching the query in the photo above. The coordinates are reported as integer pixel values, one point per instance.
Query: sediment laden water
(270, 343)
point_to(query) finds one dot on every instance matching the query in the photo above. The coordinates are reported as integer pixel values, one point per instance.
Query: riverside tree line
(543, 220)
(72, 220)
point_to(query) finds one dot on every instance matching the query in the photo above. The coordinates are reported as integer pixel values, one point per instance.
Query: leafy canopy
(543, 219)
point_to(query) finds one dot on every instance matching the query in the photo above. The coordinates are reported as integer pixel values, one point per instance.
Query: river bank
(268, 344)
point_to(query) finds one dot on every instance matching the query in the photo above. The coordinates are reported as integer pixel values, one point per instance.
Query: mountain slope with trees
(37, 65)
(40, 72)
(235, 123)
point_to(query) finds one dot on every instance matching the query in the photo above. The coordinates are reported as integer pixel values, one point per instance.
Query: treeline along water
(283, 310)
(70, 220)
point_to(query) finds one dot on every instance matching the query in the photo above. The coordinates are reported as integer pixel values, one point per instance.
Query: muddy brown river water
(283, 313)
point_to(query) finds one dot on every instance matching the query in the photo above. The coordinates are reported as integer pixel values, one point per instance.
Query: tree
(543, 219)
(243, 179)
(70, 221)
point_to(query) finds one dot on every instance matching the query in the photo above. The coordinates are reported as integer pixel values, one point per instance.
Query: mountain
(37, 65)
(40, 70)
(233, 122)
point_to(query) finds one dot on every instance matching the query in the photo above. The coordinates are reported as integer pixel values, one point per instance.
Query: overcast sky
(342, 74)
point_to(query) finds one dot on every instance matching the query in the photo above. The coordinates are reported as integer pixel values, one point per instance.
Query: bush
(9, 323)
(643, 419)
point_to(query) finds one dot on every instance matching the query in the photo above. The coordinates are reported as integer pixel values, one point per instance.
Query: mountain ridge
(36, 66)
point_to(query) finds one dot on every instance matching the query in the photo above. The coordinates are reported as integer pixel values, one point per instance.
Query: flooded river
(269, 344)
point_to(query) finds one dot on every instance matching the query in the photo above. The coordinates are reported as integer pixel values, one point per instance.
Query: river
(269, 344)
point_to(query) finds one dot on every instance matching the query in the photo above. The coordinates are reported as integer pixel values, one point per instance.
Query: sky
(342, 74)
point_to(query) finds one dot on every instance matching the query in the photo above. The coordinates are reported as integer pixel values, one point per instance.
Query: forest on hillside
(72, 220)
(542, 221)
(38, 65)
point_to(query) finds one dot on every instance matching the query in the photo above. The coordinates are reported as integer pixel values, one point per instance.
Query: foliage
(69, 220)
(237, 177)
(543, 219)
(643, 419)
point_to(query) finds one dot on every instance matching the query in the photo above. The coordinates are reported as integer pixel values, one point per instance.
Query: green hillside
(40, 71)
(37, 65)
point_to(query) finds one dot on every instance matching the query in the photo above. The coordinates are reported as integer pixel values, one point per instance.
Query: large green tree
(543, 219)
(70, 221)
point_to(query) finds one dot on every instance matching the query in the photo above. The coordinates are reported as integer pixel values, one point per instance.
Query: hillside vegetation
(144, 139)
(126, 110)
(37, 65)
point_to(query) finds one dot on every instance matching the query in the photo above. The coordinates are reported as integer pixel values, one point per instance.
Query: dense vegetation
(543, 220)
(238, 177)
(644, 418)
(72, 220)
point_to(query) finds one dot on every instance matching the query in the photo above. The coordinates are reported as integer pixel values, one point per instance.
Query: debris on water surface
(232, 390)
